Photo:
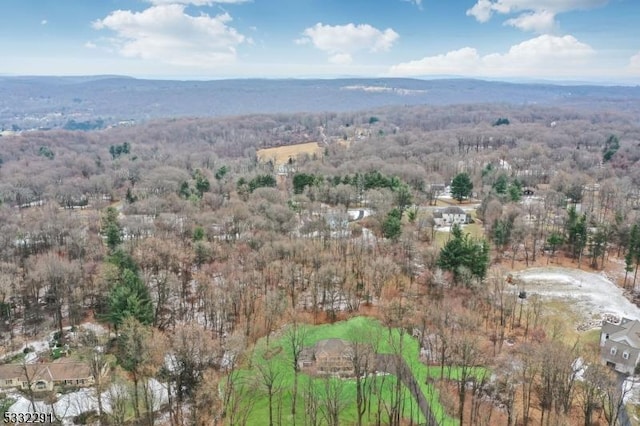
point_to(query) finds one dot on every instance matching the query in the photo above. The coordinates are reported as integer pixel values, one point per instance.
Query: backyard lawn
(474, 230)
(276, 361)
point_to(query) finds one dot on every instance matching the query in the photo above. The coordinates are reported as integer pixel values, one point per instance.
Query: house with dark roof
(450, 215)
(620, 345)
(45, 376)
(333, 357)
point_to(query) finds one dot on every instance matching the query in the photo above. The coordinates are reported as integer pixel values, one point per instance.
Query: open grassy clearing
(591, 337)
(561, 316)
(454, 373)
(277, 357)
(474, 230)
(281, 154)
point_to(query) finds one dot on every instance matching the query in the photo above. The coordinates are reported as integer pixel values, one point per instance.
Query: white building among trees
(620, 345)
(450, 216)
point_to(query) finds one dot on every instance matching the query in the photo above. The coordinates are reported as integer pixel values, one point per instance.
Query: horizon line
(176, 78)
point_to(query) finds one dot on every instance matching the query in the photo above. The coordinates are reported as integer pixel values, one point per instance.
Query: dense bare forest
(203, 258)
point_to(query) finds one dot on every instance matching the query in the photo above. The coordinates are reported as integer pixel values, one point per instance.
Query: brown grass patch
(281, 154)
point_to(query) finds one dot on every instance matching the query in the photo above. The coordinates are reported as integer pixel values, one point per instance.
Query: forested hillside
(213, 261)
(95, 102)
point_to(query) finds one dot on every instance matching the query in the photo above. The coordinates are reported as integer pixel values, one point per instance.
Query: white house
(620, 345)
(450, 216)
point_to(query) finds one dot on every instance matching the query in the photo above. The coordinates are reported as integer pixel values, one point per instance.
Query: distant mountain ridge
(29, 102)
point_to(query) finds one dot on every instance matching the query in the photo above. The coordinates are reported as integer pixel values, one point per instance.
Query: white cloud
(341, 59)
(511, 6)
(341, 41)
(44, 22)
(482, 10)
(543, 56)
(416, 2)
(534, 15)
(90, 45)
(461, 61)
(196, 2)
(634, 63)
(166, 33)
(540, 22)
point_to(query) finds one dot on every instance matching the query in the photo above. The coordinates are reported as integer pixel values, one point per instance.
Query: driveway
(396, 365)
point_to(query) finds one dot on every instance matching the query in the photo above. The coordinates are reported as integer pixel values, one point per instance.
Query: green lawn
(16, 359)
(591, 337)
(474, 230)
(277, 357)
(453, 373)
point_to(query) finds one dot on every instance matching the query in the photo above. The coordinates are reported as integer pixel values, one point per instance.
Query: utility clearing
(590, 296)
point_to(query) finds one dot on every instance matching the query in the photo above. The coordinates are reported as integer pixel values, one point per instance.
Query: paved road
(396, 365)
(623, 416)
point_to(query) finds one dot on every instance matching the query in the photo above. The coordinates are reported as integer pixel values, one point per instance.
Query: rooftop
(453, 210)
(47, 371)
(627, 331)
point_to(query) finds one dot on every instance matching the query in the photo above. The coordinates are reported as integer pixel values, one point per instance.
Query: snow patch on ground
(36, 346)
(98, 329)
(73, 404)
(631, 390)
(592, 295)
(42, 345)
(66, 407)
(448, 228)
(70, 405)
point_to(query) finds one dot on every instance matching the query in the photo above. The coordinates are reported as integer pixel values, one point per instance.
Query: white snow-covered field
(590, 294)
(448, 228)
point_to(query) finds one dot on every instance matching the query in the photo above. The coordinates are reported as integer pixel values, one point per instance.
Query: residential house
(45, 376)
(286, 169)
(502, 164)
(333, 357)
(358, 214)
(620, 345)
(438, 188)
(450, 216)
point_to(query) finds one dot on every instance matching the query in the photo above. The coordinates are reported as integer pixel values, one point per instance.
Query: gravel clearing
(591, 295)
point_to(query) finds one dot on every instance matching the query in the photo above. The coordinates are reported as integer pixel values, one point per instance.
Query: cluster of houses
(619, 349)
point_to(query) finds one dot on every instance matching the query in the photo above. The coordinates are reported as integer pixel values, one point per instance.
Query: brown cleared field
(281, 154)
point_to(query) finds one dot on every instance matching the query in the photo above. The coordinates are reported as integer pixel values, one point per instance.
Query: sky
(551, 40)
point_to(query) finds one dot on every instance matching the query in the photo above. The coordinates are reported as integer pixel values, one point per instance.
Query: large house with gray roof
(620, 345)
(450, 215)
